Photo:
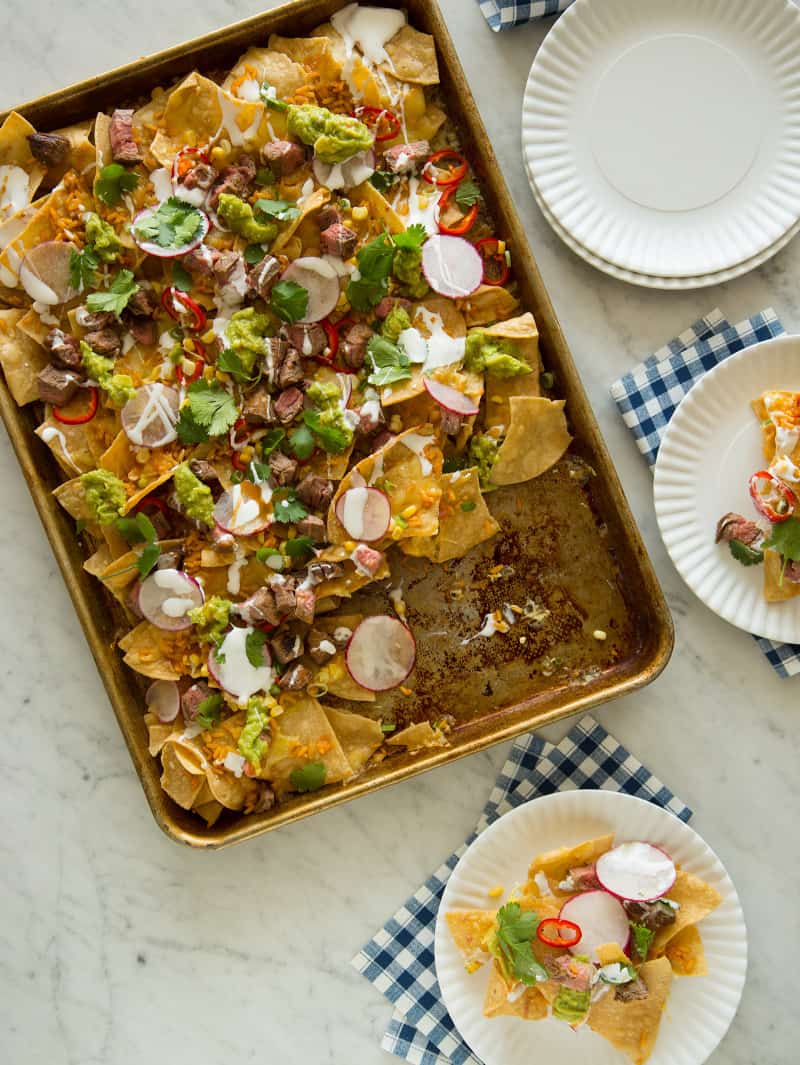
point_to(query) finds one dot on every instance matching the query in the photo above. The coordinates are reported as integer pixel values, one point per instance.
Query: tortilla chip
(21, 357)
(368, 196)
(72, 497)
(609, 953)
(15, 151)
(265, 64)
(69, 445)
(469, 929)
(144, 652)
(138, 496)
(359, 736)
(181, 784)
(40, 228)
(209, 811)
(158, 732)
(335, 676)
(81, 155)
(119, 458)
(537, 437)
(97, 562)
(318, 198)
(697, 899)
(303, 734)
(487, 304)
(412, 57)
(523, 333)
(632, 1027)
(460, 528)
(777, 589)
(314, 53)
(415, 737)
(686, 953)
(230, 791)
(530, 1005)
(556, 864)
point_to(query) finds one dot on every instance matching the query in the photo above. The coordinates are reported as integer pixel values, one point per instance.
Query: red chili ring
(559, 925)
(240, 423)
(200, 359)
(168, 299)
(151, 501)
(238, 462)
(467, 221)
(201, 155)
(455, 176)
(495, 257)
(80, 419)
(372, 118)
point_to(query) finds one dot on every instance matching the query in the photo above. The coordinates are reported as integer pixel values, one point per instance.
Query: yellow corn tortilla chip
(412, 57)
(416, 736)
(144, 650)
(178, 782)
(121, 572)
(775, 408)
(81, 155)
(632, 1027)
(776, 589)
(21, 357)
(209, 811)
(537, 437)
(359, 736)
(318, 198)
(488, 303)
(696, 898)
(265, 64)
(352, 579)
(336, 678)
(158, 733)
(98, 561)
(228, 790)
(460, 528)
(686, 954)
(368, 196)
(72, 497)
(307, 737)
(523, 333)
(15, 152)
(314, 53)
(555, 864)
(119, 458)
(609, 953)
(469, 929)
(529, 1004)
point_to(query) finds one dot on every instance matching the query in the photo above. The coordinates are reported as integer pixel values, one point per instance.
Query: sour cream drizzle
(236, 674)
(51, 433)
(417, 443)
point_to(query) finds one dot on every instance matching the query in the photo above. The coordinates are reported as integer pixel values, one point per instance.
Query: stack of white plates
(662, 137)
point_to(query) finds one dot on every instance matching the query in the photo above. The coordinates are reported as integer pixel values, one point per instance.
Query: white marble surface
(116, 946)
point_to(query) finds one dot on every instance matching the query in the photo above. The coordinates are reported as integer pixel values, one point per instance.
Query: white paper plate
(670, 284)
(699, 1009)
(665, 135)
(711, 447)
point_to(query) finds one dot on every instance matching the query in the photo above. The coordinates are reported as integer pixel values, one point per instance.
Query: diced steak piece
(259, 608)
(313, 527)
(290, 370)
(310, 340)
(64, 348)
(276, 351)
(652, 915)
(221, 537)
(791, 572)
(227, 265)
(49, 149)
(203, 471)
(388, 303)
(283, 157)
(734, 527)
(338, 240)
(381, 439)
(370, 419)
(305, 605)
(201, 261)
(56, 385)
(265, 799)
(315, 491)
(404, 158)
(320, 646)
(283, 588)
(283, 468)
(143, 303)
(143, 331)
(296, 677)
(328, 216)
(234, 180)
(354, 346)
(104, 342)
(631, 991)
(191, 699)
(583, 878)
(367, 559)
(263, 276)
(325, 571)
(451, 422)
(92, 321)
(171, 559)
(200, 176)
(570, 972)
(288, 405)
(124, 148)
(286, 647)
(258, 408)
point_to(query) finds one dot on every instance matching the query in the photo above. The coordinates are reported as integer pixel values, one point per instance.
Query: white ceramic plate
(711, 447)
(665, 135)
(699, 1009)
(670, 284)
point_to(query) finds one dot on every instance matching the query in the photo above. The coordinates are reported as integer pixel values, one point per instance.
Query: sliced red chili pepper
(464, 224)
(375, 117)
(171, 295)
(238, 462)
(150, 501)
(556, 932)
(238, 425)
(773, 499)
(332, 334)
(79, 419)
(449, 177)
(495, 266)
(199, 358)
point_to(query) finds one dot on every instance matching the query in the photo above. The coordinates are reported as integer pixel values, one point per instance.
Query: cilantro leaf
(785, 538)
(189, 430)
(299, 547)
(454, 463)
(271, 441)
(112, 181)
(510, 943)
(208, 711)
(264, 554)
(389, 362)
(257, 470)
(264, 176)
(283, 210)
(287, 508)
(116, 298)
(254, 253)
(173, 224)
(382, 180)
(301, 442)
(414, 237)
(744, 553)
(374, 266)
(181, 278)
(147, 559)
(210, 411)
(82, 267)
(642, 940)
(333, 438)
(468, 505)
(230, 362)
(289, 301)
(254, 647)
(310, 777)
(467, 194)
(137, 530)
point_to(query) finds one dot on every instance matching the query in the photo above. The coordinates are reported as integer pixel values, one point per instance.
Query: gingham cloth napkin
(649, 395)
(503, 14)
(398, 960)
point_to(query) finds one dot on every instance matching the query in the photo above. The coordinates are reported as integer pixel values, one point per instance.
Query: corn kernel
(501, 247)
(405, 691)
(496, 891)
(208, 336)
(409, 511)
(472, 966)
(422, 201)
(246, 453)
(349, 545)
(599, 634)
(360, 213)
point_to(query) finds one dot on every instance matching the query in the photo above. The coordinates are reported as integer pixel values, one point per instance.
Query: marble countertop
(118, 946)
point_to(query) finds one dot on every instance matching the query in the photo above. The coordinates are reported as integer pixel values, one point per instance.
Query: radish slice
(242, 510)
(364, 512)
(150, 417)
(601, 919)
(450, 398)
(347, 174)
(320, 281)
(167, 596)
(168, 253)
(381, 653)
(44, 273)
(163, 699)
(451, 265)
(234, 671)
(637, 871)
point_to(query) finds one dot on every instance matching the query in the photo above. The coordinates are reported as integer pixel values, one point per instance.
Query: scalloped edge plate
(699, 1010)
(711, 447)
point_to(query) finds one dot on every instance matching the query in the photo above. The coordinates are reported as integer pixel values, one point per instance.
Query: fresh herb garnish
(264, 176)
(116, 298)
(287, 508)
(454, 463)
(374, 266)
(82, 267)
(333, 438)
(210, 411)
(468, 505)
(301, 442)
(271, 441)
(254, 253)
(283, 210)
(289, 301)
(254, 647)
(785, 538)
(229, 362)
(140, 530)
(112, 181)
(642, 940)
(173, 224)
(181, 278)
(511, 944)
(382, 180)
(209, 710)
(413, 237)
(387, 728)
(257, 471)
(389, 362)
(744, 553)
(310, 777)
(299, 547)
(467, 194)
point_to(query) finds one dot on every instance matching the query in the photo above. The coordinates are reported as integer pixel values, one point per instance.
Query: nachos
(273, 343)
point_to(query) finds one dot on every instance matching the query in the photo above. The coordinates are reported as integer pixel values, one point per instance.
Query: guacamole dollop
(253, 745)
(239, 216)
(483, 454)
(102, 237)
(105, 495)
(211, 619)
(245, 333)
(326, 397)
(407, 267)
(493, 355)
(334, 138)
(571, 1006)
(194, 496)
(395, 322)
(117, 386)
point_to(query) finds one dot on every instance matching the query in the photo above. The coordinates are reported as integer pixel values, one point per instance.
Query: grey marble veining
(118, 947)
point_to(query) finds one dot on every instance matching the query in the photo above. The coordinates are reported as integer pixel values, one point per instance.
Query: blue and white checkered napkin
(649, 395)
(399, 959)
(503, 14)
